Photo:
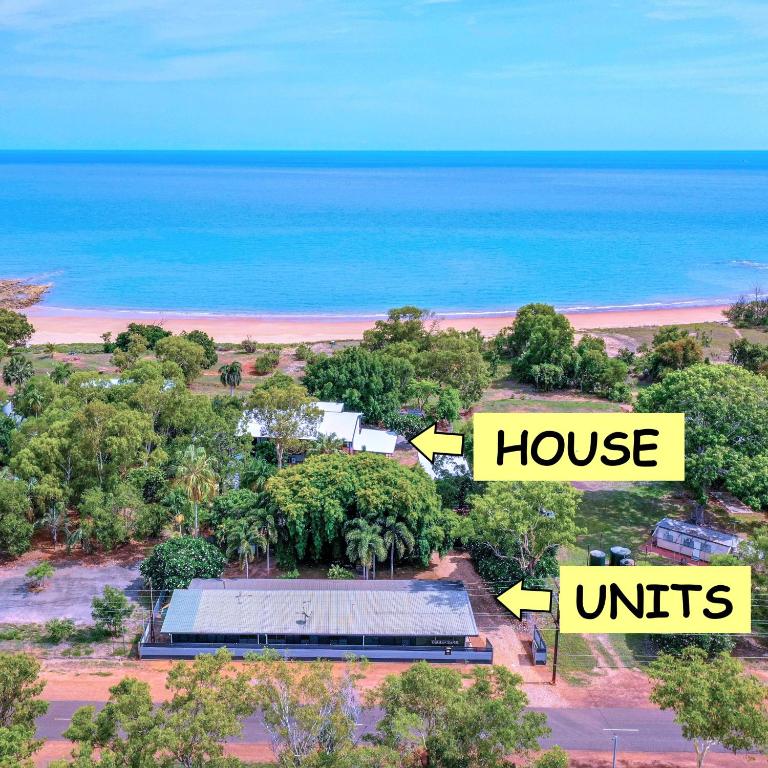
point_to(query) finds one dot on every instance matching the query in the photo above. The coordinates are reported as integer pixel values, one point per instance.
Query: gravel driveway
(67, 595)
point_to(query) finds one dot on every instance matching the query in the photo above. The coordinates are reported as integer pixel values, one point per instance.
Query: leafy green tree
(174, 563)
(188, 355)
(15, 527)
(310, 713)
(111, 611)
(15, 329)
(754, 553)
(365, 544)
(313, 501)
(538, 337)
(61, 372)
(593, 370)
(151, 334)
(448, 406)
(726, 427)
(231, 375)
(208, 345)
(38, 575)
(714, 701)
(363, 380)
(109, 526)
(673, 356)
(17, 371)
(195, 474)
(429, 711)
(20, 687)
(675, 645)
(524, 522)
(455, 359)
(753, 357)
(127, 355)
(288, 416)
(407, 324)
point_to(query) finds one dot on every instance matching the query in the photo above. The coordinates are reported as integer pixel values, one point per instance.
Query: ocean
(335, 233)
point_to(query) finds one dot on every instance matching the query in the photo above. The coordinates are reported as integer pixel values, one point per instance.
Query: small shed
(695, 541)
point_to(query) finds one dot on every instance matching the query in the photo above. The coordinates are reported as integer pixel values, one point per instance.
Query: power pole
(557, 645)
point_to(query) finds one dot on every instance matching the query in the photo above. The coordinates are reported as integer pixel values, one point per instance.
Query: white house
(695, 541)
(334, 421)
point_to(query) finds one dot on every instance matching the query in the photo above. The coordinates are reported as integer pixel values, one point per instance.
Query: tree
(209, 700)
(753, 357)
(188, 355)
(111, 610)
(429, 711)
(243, 541)
(673, 354)
(54, 519)
(713, 701)
(403, 324)
(231, 375)
(308, 711)
(17, 371)
(15, 329)
(150, 333)
(38, 575)
(525, 522)
(287, 415)
(365, 544)
(60, 372)
(207, 343)
(15, 527)
(174, 563)
(197, 477)
(106, 518)
(455, 359)
(313, 501)
(364, 380)
(538, 337)
(726, 427)
(397, 537)
(20, 687)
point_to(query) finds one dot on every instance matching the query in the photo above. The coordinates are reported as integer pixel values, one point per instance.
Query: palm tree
(240, 543)
(231, 376)
(54, 519)
(50, 349)
(326, 444)
(196, 475)
(266, 531)
(60, 372)
(17, 371)
(255, 474)
(33, 399)
(364, 544)
(397, 536)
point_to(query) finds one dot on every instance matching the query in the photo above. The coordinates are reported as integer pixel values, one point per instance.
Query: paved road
(593, 728)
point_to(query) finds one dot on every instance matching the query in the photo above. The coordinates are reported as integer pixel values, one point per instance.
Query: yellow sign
(655, 599)
(579, 446)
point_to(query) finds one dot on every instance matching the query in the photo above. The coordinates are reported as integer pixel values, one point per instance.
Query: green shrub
(339, 573)
(676, 644)
(303, 352)
(266, 363)
(38, 574)
(174, 563)
(249, 345)
(58, 630)
(111, 610)
(292, 574)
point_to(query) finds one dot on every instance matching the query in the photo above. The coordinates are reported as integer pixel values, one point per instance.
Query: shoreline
(68, 326)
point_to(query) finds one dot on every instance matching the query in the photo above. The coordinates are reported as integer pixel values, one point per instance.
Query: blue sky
(384, 74)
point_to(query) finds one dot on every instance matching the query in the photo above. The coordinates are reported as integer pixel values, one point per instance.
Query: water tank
(627, 561)
(618, 554)
(597, 557)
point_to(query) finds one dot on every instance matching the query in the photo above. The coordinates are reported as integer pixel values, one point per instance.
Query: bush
(38, 574)
(173, 564)
(292, 574)
(303, 352)
(249, 345)
(266, 363)
(676, 644)
(110, 611)
(620, 393)
(59, 629)
(339, 573)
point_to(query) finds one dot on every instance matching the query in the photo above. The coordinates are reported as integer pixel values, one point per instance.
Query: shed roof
(321, 607)
(374, 440)
(700, 532)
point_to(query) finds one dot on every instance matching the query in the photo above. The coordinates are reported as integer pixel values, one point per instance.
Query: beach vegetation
(249, 345)
(266, 363)
(726, 427)
(303, 352)
(188, 355)
(15, 329)
(749, 355)
(407, 324)
(672, 349)
(150, 333)
(749, 313)
(207, 343)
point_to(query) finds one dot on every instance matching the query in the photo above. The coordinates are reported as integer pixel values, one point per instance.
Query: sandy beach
(68, 326)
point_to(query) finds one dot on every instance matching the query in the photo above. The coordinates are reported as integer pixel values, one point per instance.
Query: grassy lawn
(537, 405)
(623, 515)
(575, 661)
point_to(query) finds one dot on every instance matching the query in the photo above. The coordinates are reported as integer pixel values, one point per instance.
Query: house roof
(321, 607)
(374, 440)
(699, 532)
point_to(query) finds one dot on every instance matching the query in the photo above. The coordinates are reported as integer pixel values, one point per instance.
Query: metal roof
(321, 607)
(700, 532)
(375, 440)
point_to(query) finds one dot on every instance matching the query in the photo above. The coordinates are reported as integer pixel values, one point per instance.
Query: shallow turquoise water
(339, 233)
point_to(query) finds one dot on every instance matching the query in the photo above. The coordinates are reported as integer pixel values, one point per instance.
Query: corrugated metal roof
(375, 441)
(320, 607)
(700, 532)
